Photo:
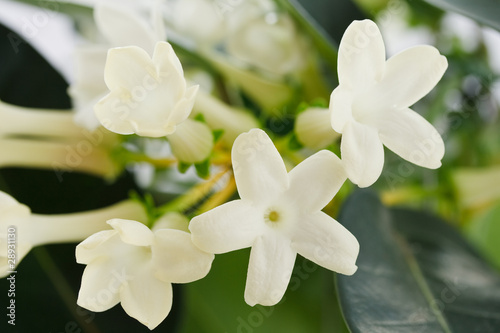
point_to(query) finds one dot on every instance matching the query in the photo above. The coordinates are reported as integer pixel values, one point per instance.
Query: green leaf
(416, 273)
(200, 117)
(216, 303)
(183, 167)
(484, 232)
(203, 168)
(483, 11)
(218, 133)
(294, 143)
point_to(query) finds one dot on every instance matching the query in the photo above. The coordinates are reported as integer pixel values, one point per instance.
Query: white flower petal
(127, 68)
(166, 60)
(269, 270)
(326, 242)
(184, 107)
(97, 245)
(409, 76)
(156, 17)
(259, 171)
(231, 226)
(362, 154)
(192, 141)
(177, 259)
(113, 114)
(99, 290)
(313, 128)
(132, 232)
(146, 298)
(340, 108)
(123, 27)
(315, 181)
(361, 55)
(409, 135)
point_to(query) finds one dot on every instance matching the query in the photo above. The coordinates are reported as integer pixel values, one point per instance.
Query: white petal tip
(350, 271)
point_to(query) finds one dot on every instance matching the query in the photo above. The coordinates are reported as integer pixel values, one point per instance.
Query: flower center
(273, 216)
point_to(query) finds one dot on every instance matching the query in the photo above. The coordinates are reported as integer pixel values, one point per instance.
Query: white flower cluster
(279, 213)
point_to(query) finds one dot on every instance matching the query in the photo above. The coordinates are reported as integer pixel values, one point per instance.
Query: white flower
(370, 107)
(313, 128)
(33, 229)
(136, 266)
(278, 215)
(271, 43)
(120, 24)
(149, 97)
(198, 20)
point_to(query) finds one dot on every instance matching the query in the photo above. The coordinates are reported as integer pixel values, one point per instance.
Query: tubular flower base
(136, 266)
(313, 128)
(370, 107)
(35, 229)
(278, 215)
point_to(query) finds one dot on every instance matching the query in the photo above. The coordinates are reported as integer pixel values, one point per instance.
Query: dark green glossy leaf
(484, 232)
(216, 304)
(483, 11)
(416, 274)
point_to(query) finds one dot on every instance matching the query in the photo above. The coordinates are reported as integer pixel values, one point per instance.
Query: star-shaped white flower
(118, 24)
(136, 266)
(278, 215)
(370, 107)
(149, 97)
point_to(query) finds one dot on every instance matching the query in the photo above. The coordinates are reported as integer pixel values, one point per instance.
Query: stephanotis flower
(119, 24)
(150, 97)
(137, 266)
(31, 230)
(370, 107)
(279, 215)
